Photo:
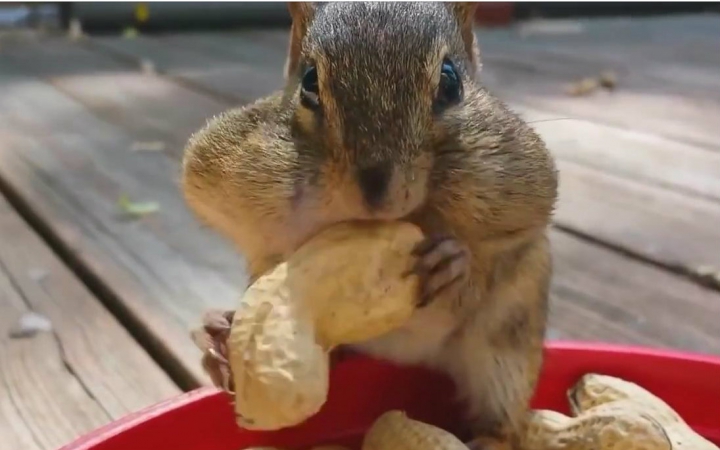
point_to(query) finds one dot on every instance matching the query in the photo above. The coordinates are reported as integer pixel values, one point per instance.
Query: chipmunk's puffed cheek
(306, 120)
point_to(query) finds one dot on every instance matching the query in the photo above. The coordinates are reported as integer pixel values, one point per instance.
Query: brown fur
(273, 173)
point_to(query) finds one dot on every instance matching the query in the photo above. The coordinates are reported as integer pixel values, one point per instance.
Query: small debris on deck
(148, 146)
(137, 209)
(606, 80)
(30, 324)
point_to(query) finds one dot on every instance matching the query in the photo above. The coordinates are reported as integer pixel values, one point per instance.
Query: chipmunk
(382, 118)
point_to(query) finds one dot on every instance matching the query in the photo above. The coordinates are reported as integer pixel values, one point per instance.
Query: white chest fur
(419, 341)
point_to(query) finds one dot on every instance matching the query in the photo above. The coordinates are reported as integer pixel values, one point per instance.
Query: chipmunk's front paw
(211, 338)
(443, 266)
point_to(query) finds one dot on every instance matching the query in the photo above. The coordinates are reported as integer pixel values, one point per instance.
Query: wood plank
(71, 167)
(255, 47)
(667, 72)
(660, 225)
(218, 62)
(687, 67)
(639, 156)
(683, 39)
(202, 63)
(649, 27)
(79, 375)
(600, 295)
(637, 103)
(81, 75)
(680, 44)
(219, 44)
(654, 221)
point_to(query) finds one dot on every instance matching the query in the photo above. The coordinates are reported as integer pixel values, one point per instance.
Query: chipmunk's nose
(374, 182)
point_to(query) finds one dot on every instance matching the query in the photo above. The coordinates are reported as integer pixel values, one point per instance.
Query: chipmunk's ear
(301, 14)
(464, 13)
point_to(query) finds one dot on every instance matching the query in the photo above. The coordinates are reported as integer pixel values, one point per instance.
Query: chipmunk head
(370, 82)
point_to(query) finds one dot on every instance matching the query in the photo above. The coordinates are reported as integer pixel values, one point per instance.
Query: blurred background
(103, 269)
(177, 16)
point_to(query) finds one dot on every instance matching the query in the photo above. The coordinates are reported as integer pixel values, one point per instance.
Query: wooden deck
(82, 123)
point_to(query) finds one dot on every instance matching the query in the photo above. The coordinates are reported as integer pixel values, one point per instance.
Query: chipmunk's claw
(211, 339)
(443, 265)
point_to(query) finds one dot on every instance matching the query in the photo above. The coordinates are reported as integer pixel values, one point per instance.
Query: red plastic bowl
(362, 389)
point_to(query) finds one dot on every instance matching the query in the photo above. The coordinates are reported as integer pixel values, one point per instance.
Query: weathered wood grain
(639, 156)
(666, 68)
(638, 103)
(659, 225)
(679, 52)
(220, 66)
(71, 167)
(600, 295)
(688, 41)
(204, 65)
(83, 372)
(139, 101)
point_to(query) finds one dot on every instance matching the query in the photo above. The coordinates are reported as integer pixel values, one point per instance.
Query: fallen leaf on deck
(137, 209)
(583, 87)
(30, 324)
(606, 80)
(148, 146)
(130, 33)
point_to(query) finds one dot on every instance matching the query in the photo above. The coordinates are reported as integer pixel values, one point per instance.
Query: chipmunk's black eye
(309, 89)
(450, 89)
